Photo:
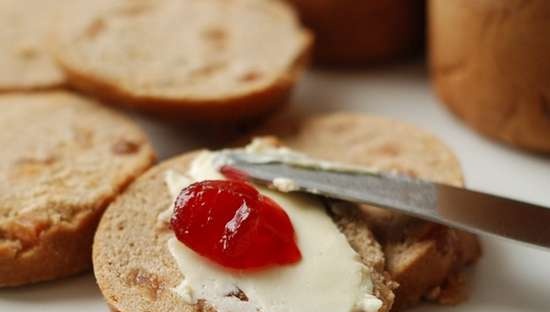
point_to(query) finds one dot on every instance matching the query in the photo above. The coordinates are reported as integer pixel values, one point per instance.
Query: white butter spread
(285, 185)
(262, 150)
(175, 183)
(330, 276)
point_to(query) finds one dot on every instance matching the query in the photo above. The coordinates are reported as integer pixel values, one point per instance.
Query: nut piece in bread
(425, 259)
(490, 66)
(63, 159)
(135, 270)
(210, 60)
(353, 32)
(25, 59)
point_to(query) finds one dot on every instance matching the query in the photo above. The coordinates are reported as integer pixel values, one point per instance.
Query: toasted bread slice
(426, 259)
(135, 270)
(25, 59)
(63, 160)
(198, 60)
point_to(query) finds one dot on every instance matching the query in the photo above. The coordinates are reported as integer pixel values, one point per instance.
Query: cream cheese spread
(262, 150)
(330, 277)
(285, 185)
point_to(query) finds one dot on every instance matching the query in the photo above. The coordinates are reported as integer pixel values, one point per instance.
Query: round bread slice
(25, 59)
(201, 60)
(63, 159)
(425, 259)
(135, 270)
(350, 32)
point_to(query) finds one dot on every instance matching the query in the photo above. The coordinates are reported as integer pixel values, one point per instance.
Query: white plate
(508, 278)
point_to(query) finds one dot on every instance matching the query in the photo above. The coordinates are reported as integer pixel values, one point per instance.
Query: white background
(508, 278)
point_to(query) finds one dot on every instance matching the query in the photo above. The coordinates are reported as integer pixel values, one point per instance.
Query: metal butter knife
(465, 209)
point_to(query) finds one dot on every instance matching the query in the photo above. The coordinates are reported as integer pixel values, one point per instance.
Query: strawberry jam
(233, 174)
(232, 224)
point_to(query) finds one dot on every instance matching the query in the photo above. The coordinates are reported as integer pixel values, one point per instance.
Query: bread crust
(493, 73)
(226, 110)
(249, 103)
(352, 32)
(425, 259)
(64, 159)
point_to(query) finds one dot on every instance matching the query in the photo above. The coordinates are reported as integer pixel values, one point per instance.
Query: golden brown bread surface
(425, 259)
(490, 66)
(363, 32)
(25, 59)
(63, 160)
(135, 270)
(199, 60)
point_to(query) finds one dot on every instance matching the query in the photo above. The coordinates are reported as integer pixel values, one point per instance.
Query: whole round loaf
(208, 60)
(490, 65)
(63, 159)
(363, 32)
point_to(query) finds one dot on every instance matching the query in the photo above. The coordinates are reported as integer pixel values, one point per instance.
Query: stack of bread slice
(425, 259)
(410, 260)
(67, 158)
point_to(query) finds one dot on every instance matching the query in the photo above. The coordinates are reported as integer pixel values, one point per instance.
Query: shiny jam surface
(233, 173)
(232, 224)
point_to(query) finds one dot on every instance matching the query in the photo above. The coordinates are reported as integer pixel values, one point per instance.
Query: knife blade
(461, 208)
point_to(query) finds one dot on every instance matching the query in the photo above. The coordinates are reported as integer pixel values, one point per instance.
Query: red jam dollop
(232, 224)
(233, 173)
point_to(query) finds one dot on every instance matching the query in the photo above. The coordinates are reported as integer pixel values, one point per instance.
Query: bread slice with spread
(141, 264)
(200, 60)
(63, 159)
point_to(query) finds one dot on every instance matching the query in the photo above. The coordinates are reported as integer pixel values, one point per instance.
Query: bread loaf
(490, 65)
(363, 32)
